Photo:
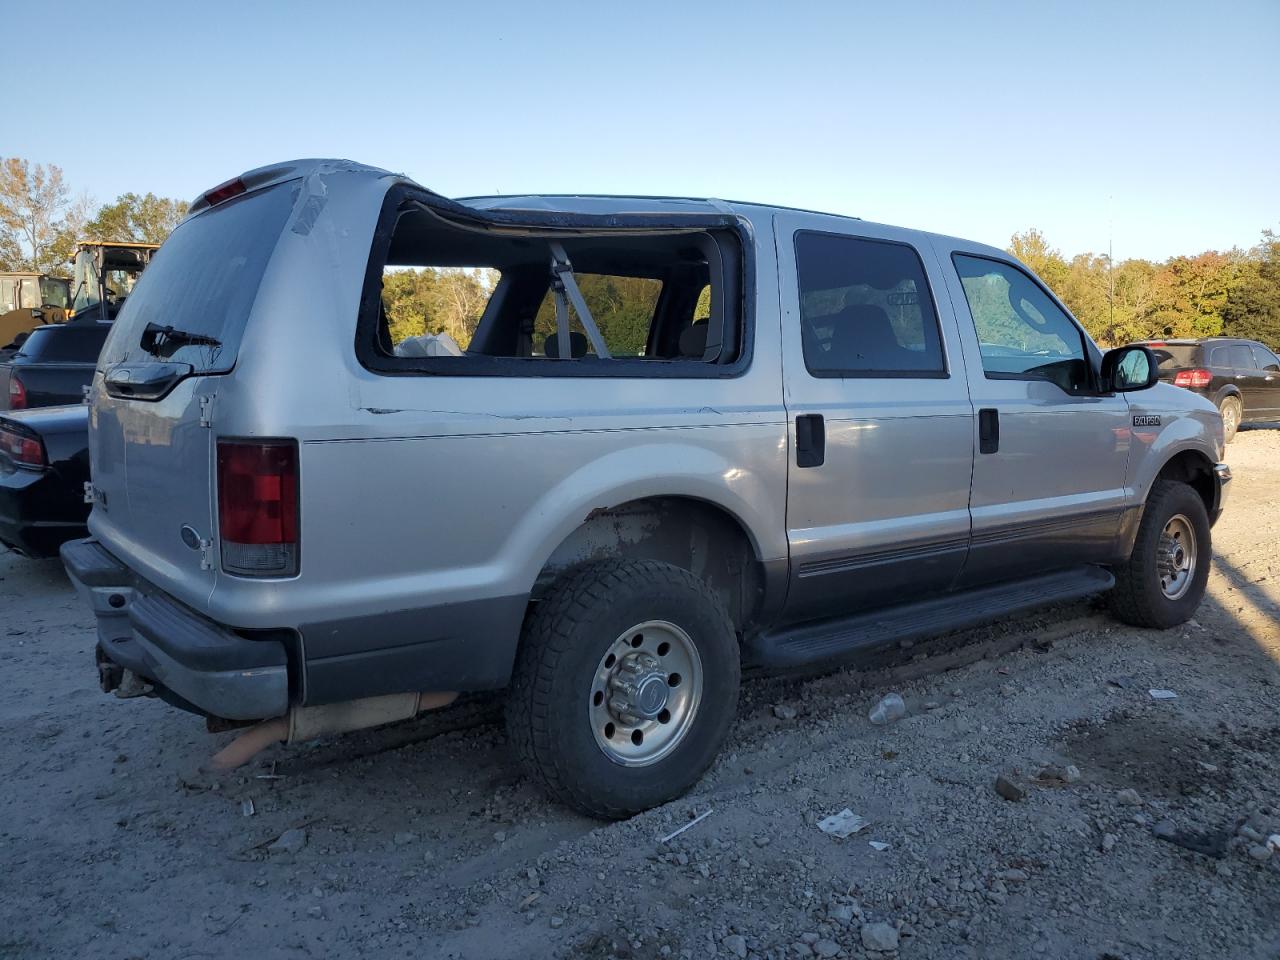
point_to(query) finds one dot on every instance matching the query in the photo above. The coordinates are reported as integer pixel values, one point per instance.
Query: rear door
(1269, 387)
(1249, 378)
(150, 441)
(881, 428)
(1049, 472)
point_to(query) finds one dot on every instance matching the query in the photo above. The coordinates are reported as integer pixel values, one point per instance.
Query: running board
(842, 637)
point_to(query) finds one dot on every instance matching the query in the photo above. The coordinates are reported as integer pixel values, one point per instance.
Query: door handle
(988, 430)
(811, 440)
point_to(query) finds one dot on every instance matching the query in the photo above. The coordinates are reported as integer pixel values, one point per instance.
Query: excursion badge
(1146, 421)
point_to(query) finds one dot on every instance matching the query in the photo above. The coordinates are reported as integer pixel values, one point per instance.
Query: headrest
(577, 345)
(693, 340)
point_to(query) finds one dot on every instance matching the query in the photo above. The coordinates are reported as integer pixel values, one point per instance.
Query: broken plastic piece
(891, 707)
(878, 845)
(1163, 695)
(843, 824)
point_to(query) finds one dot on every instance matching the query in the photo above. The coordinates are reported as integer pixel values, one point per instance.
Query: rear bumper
(38, 512)
(203, 666)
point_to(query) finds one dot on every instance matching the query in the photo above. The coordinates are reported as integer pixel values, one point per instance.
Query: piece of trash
(890, 708)
(268, 776)
(1163, 695)
(843, 824)
(694, 822)
(878, 845)
(246, 808)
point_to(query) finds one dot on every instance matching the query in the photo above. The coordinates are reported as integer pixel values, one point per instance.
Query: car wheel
(1164, 580)
(1232, 413)
(625, 686)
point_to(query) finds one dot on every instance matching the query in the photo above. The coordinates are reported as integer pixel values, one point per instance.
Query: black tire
(1138, 597)
(1232, 411)
(556, 670)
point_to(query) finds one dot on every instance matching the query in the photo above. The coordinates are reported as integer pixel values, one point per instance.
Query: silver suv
(357, 447)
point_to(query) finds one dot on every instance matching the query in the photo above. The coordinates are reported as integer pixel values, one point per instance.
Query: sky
(1151, 126)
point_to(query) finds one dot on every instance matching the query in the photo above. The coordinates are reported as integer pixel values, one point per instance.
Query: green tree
(39, 221)
(1252, 309)
(144, 219)
(1045, 262)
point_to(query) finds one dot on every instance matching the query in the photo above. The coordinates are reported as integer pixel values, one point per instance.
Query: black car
(53, 365)
(44, 465)
(1241, 376)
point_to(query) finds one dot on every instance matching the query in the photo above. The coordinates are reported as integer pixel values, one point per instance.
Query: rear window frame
(615, 368)
(53, 334)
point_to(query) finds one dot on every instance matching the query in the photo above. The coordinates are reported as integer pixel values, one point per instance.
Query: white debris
(843, 824)
(878, 845)
(1163, 695)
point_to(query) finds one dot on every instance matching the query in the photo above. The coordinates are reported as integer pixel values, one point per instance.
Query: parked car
(868, 434)
(44, 465)
(1241, 377)
(52, 366)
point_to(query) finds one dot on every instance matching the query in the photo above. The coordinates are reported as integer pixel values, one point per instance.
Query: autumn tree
(1252, 309)
(144, 219)
(39, 219)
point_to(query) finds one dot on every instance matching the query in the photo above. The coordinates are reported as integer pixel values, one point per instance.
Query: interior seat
(577, 345)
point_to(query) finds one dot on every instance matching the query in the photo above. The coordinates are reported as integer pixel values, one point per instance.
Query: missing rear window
(452, 298)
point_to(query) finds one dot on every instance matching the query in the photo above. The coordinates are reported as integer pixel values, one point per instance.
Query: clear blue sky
(972, 118)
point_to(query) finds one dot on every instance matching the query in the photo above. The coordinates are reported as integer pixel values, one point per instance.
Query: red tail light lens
(258, 507)
(17, 393)
(224, 191)
(1192, 378)
(20, 448)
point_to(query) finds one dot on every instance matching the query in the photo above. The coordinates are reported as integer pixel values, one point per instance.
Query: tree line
(1236, 292)
(41, 220)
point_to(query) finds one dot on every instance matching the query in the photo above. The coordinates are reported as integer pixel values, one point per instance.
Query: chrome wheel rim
(1229, 417)
(1176, 557)
(645, 693)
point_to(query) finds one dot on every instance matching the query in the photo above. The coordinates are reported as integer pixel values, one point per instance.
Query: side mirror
(1125, 369)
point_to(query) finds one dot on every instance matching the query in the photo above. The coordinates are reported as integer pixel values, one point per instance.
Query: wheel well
(1195, 470)
(698, 536)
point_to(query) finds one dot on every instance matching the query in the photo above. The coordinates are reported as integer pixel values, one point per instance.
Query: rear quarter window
(205, 278)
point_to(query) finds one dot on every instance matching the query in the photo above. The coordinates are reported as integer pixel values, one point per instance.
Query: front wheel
(625, 686)
(1164, 579)
(1232, 413)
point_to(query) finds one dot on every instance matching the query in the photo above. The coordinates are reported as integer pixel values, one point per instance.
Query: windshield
(54, 293)
(85, 281)
(203, 282)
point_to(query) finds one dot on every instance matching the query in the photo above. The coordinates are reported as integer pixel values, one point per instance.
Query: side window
(865, 309)
(29, 297)
(1241, 357)
(1266, 359)
(1218, 357)
(434, 311)
(8, 295)
(1022, 333)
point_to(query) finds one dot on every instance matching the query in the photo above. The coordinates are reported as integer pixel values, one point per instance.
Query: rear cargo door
(154, 398)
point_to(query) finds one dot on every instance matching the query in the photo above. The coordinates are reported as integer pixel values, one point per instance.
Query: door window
(1022, 333)
(1241, 357)
(1266, 359)
(865, 309)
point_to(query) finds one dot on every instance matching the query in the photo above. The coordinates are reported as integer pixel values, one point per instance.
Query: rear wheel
(1164, 580)
(625, 687)
(1232, 413)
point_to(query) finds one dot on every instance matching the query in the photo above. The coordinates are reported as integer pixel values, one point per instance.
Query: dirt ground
(422, 840)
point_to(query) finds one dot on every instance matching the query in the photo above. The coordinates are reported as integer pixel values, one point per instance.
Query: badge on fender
(1146, 421)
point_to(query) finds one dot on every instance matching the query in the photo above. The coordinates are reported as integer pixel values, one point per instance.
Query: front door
(881, 426)
(1049, 472)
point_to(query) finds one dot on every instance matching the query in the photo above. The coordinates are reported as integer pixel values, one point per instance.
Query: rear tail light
(1192, 378)
(258, 507)
(224, 191)
(21, 449)
(17, 393)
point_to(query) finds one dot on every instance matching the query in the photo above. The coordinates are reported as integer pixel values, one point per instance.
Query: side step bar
(843, 637)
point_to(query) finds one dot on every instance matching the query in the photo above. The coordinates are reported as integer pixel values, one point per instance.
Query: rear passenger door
(1249, 378)
(1269, 387)
(880, 422)
(1050, 469)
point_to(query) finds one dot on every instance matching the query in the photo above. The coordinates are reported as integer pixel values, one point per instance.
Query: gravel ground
(422, 839)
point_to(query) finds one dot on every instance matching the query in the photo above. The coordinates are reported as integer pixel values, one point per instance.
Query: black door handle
(988, 430)
(811, 440)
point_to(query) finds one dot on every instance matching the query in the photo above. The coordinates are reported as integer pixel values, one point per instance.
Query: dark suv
(1241, 376)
